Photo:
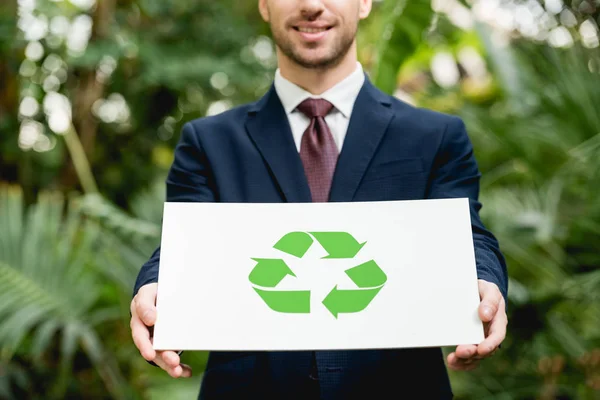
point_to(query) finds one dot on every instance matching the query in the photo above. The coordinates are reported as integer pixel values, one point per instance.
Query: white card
(317, 276)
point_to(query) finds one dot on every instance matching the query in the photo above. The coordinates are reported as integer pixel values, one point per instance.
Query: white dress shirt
(342, 96)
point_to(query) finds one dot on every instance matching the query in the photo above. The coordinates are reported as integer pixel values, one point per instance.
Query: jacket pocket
(398, 167)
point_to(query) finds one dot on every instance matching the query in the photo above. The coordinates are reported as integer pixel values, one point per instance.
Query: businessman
(323, 132)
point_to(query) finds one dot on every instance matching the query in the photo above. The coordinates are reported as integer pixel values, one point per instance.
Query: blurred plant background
(93, 94)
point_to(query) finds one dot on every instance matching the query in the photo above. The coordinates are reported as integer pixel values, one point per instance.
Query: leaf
(109, 216)
(42, 338)
(503, 62)
(401, 34)
(568, 339)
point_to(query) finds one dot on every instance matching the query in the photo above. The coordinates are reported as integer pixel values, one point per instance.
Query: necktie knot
(315, 107)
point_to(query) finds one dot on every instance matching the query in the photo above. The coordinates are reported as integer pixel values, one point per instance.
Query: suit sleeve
(455, 174)
(189, 180)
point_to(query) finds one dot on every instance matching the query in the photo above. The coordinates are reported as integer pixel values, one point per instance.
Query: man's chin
(315, 62)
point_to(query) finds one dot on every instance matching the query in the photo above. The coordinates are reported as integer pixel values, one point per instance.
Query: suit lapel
(269, 128)
(370, 118)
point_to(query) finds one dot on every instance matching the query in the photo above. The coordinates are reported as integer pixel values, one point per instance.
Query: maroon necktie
(318, 151)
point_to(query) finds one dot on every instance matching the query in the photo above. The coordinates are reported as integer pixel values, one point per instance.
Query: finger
(472, 366)
(460, 364)
(477, 356)
(174, 372)
(490, 300)
(466, 351)
(141, 338)
(170, 358)
(451, 359)
(454, 360)
(187, 371)
(145, 301)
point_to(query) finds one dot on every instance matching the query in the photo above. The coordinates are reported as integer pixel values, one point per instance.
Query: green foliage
(159, 57)
(403, 31)
(48, 295)
(128, 240)
(66, 275)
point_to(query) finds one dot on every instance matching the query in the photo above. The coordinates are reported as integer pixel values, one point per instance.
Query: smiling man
(323, 132)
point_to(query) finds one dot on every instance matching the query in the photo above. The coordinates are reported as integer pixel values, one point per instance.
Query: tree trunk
(89, 90)
(10, 59)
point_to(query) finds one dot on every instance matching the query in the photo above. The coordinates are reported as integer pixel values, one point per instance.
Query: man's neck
(317, 80)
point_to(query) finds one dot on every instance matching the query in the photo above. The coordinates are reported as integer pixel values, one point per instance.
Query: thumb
(145, 303)
(487, 311)
(490, 301)
(149, 316)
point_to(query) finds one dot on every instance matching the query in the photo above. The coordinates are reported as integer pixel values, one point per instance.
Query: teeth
(311, 30)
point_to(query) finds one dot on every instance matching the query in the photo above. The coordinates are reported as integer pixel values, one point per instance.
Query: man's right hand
(143, 316)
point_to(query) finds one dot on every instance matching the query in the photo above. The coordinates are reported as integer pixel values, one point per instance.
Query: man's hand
(492, 311)
(143, 316)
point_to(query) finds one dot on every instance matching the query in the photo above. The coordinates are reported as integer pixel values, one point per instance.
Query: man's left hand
(492, 311)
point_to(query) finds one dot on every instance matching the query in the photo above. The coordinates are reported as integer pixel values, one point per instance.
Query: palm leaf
(12, 375)
(47, 285)
(128, 241)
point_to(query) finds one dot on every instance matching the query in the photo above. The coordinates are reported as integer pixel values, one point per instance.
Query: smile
(313, 34)
(311, 30)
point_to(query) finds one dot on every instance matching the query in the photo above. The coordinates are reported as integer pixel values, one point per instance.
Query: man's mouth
(311, 30)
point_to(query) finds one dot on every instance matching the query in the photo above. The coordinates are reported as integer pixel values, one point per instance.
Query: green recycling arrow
(295, 243)
(368, 277)
(349, 301)
(269, 272)
(286, 301)
(338, 244)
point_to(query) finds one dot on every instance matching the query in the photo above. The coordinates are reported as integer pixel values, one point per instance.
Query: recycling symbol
(269, 272)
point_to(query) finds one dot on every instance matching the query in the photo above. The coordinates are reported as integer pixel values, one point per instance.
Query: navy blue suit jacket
(392, 151)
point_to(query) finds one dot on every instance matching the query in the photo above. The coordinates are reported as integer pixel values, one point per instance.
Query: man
(323, 132)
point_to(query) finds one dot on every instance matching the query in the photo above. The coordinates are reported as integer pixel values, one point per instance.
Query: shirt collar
(342, 95)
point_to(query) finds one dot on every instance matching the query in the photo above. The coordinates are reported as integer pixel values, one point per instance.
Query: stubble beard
(337, 53)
